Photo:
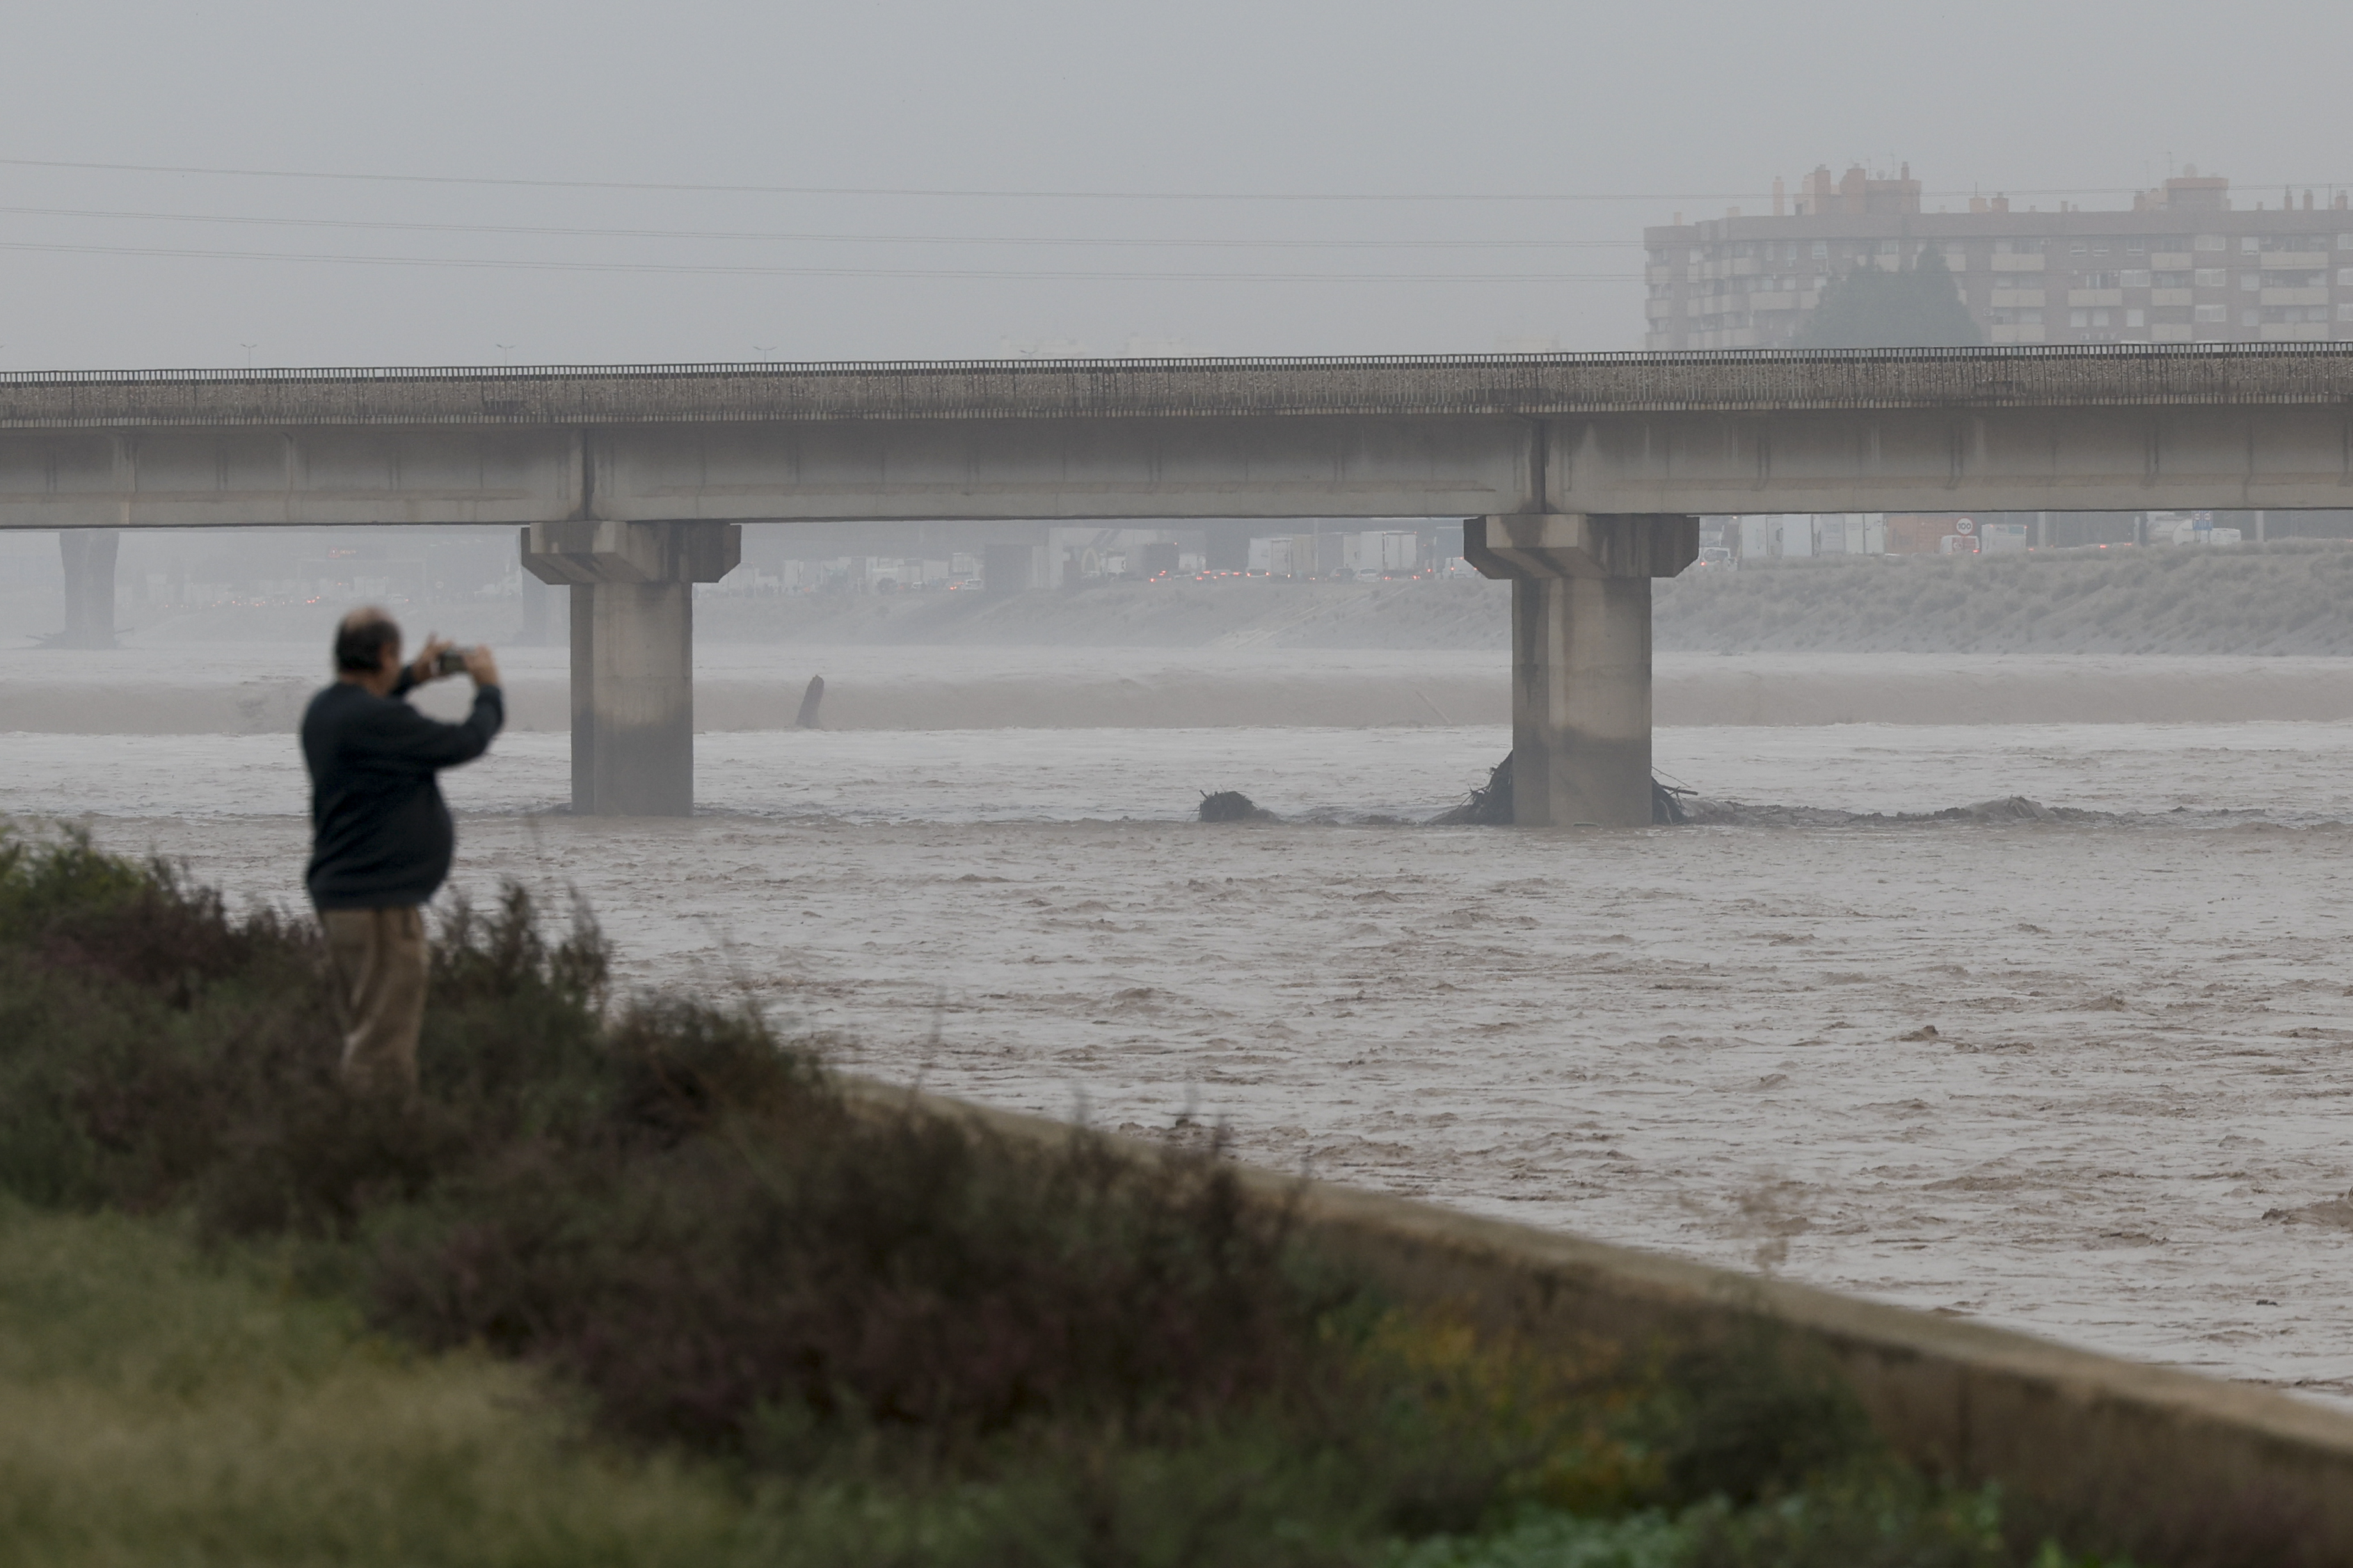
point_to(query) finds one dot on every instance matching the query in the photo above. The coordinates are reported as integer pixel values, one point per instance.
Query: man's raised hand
(427, 665)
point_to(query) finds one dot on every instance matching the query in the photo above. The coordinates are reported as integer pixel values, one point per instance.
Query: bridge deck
(1422, 385)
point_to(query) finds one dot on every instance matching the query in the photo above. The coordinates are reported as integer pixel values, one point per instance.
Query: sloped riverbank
(793, 1324)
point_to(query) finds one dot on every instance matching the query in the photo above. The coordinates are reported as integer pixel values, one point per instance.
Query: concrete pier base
(1580, 657)
(633, 699)
(632, 654)
(89, 555)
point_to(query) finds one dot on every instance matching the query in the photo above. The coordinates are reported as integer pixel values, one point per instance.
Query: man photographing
(380, 835)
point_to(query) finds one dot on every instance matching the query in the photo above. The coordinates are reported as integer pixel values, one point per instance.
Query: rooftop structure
(2186, 264)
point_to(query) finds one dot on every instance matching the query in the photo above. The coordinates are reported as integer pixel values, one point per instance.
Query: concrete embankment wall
(2178, 1469)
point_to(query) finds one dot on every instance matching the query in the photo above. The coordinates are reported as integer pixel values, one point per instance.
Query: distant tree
(1919, 306)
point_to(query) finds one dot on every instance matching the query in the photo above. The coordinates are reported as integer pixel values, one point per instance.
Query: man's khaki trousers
(377, 965)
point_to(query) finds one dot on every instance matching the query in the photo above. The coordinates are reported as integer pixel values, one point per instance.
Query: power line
(575, 233)
(1022, 195)
(743, 271)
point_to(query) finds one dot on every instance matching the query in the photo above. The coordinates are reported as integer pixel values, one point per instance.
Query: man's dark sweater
(380, 835)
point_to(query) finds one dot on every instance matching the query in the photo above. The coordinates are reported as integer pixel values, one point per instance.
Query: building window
(2213, 278)
(2214, 315)
(2134, 277)
(2137, 245)
(2344, 277)
(2251, 280)
(2251, 318)
(1821, 248)
(2212, 242)
(2344, 242)
(2345, 312)
(2250, 244)
(2136, 319)
(2018, 248)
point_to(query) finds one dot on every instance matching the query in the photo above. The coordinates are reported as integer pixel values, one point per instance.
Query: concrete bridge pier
(632, 653)
(88, 556)
(1581, 656)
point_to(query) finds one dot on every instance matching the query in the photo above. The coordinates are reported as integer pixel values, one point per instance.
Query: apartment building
(2186, 264)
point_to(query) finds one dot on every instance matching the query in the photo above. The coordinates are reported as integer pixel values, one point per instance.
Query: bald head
(362, 640)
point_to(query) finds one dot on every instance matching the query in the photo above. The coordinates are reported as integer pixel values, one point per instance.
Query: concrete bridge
(1581, 477)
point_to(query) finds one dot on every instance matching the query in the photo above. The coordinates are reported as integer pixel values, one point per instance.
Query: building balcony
(2017, 299)
(2095, 296)
(2294, 331)
(2283, 260)
(2018, 263)
(2172, 296)
(2307, 296)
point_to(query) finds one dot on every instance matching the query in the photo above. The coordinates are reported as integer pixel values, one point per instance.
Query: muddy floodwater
(2091, 1078)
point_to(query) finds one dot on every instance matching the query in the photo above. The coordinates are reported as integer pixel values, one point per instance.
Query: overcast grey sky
(1692, 106)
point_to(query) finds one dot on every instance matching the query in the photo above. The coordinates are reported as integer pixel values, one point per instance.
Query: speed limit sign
(1967, 525)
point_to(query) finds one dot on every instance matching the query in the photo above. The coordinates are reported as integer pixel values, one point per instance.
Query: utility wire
(720, 270)
(571, 233)
(1036, 194)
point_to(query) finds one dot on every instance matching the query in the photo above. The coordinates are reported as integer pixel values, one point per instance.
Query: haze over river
(2129, 1129)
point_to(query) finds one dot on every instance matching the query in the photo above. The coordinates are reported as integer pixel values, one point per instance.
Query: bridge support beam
(632, 653)
(1580, 656)
(88, 556)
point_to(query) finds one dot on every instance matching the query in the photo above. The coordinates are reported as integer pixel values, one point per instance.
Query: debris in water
(1488, 807)
(1924, 1031)
(809, 700)
(1233, 805)
(1491, 807)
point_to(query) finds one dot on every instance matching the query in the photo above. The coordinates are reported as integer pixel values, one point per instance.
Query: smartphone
(451, 661)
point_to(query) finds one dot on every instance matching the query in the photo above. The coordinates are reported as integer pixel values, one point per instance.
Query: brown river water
(2130, 1129)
